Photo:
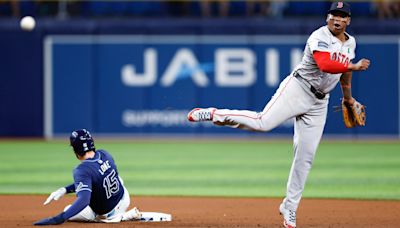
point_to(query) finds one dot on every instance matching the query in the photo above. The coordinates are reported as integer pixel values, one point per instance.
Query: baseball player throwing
(304, 95)
(101, 195)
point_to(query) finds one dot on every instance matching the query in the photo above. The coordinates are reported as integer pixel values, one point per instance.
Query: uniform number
(111, 184)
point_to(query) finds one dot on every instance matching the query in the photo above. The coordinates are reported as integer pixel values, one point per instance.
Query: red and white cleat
(201, 114)
(289, 217)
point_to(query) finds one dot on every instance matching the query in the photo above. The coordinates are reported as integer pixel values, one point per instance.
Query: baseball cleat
(289, 217)
(201, 114)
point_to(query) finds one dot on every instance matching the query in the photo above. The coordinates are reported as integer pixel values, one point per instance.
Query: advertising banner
(146, 84)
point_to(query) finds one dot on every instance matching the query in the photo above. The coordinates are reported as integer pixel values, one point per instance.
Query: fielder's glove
(56, 220)
(353, 115)
(56, 195)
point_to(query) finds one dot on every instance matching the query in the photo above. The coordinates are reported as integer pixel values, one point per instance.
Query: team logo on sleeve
(322, 44)
(82, 187)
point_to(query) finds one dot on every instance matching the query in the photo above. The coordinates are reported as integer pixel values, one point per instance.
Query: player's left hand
(56, 220)
(353, 113)
(56, 195)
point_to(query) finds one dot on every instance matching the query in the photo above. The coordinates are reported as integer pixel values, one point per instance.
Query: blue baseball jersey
(99, 175)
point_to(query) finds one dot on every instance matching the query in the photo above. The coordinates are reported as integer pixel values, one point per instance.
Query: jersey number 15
(111, 184)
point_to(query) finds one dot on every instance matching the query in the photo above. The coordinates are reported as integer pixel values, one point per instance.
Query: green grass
(362, 170)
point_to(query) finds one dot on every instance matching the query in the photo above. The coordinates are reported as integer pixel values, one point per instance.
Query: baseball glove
(353, 115)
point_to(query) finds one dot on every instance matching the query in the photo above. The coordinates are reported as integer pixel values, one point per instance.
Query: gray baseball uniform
(294, 99)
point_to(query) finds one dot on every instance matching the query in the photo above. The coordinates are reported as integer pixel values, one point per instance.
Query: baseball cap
(341, 7)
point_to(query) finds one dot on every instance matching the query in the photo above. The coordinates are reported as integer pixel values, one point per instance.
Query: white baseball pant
(114, 216)
(293, 99)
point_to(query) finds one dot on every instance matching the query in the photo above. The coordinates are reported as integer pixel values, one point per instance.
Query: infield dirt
(23, 210)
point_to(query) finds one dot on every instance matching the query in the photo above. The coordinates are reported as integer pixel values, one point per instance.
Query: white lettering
(103, 168)
(148, 78)
(272, 67)
(162, 118)
(184, 59)
(235, 67)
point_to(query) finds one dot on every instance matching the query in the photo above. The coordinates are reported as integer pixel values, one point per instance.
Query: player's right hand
(362, 64)
(56, 195)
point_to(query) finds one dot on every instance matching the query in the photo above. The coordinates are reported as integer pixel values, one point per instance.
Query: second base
(155, 217)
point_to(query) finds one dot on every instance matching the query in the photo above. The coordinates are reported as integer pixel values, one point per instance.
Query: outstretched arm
(83, 198)
(80, 203)
(56, 195)
(326, 64)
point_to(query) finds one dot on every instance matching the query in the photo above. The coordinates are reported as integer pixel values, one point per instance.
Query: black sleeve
(70, 188)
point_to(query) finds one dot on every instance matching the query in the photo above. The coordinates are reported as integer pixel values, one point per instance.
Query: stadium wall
(142, 76)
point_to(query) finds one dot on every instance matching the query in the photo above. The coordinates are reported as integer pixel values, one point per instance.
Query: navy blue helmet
(81, 141)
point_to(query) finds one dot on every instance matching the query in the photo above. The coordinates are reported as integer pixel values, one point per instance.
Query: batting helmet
(81, 141)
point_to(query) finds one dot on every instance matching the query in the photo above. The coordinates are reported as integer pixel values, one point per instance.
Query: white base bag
(155, 217)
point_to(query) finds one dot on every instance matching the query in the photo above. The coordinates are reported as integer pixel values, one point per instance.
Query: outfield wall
(116, 77)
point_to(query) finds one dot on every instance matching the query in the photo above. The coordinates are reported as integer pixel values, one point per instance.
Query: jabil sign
(232, 67)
